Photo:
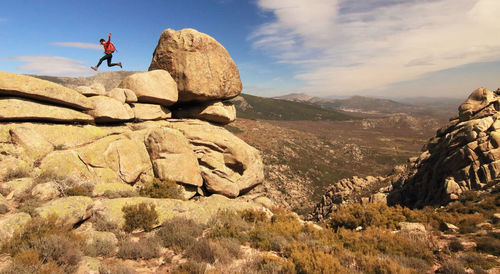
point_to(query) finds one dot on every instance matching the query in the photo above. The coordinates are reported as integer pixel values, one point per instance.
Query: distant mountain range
(420, 106)
(261, 108)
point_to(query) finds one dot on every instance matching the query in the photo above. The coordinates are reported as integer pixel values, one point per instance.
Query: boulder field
(120, 139)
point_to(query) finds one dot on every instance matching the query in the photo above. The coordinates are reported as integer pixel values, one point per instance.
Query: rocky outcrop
(126, 154)
(201, 66)
(191, 73)
(463, 156)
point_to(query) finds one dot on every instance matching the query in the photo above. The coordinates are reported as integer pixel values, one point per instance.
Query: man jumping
(109, 48)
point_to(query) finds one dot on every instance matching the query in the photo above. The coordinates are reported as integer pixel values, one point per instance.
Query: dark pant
(107, 57)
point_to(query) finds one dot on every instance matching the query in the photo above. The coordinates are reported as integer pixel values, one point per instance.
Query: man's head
(102, 41)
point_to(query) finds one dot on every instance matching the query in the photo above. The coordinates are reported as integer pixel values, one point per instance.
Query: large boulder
(155, 87)
(34, 88)
(464, 155)
(200, 65)
(110, 110)
(218, 112)
(19, 109)
(173, 157)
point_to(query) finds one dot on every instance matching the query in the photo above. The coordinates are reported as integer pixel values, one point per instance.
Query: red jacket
(108, 46)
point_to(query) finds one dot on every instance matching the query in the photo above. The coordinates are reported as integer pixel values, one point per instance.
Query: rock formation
(118, 140)
(463, 156)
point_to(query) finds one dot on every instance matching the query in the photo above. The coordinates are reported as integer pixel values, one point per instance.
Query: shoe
(94, 68)
(120, 64)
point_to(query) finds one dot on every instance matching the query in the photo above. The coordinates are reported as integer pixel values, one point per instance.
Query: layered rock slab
(45, 91)
(19, 109)
(202, 68)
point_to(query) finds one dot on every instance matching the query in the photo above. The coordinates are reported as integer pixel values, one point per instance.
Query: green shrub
(179, 233)
(419, 265)
(29, 206)
(228, 224)
(312, 260)
(371, 264)
(488, 245)
(205, 250)
(99, 247)
(375, 241)
(455, 246)
(35, 230)
(53, 243)
(161, 189)
(376, 214)
(274, 264)
(4, 208)
(452, 267)
(253, 215)
(85, 189)
(119, 194)
(47, 176)
(28, 261)
(139, 216)
(478, 261)
(145, 248)
(99, 223)
(61, 249)
(17, 172)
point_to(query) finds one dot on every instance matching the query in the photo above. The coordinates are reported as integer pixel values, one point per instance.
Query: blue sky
(383, 48)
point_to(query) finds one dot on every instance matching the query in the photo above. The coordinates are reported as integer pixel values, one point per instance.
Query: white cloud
(52, 66)
(3, 20)
(78, 45)
(343, 46)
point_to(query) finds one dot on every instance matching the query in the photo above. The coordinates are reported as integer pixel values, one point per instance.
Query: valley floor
(302, 158)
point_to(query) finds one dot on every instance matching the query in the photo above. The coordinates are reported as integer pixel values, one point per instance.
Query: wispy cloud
(78, 45)
(52, 66)
(3, 20)
(346, 46)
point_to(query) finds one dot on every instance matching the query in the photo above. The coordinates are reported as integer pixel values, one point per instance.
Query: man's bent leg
(109, 61)
(102, 59)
